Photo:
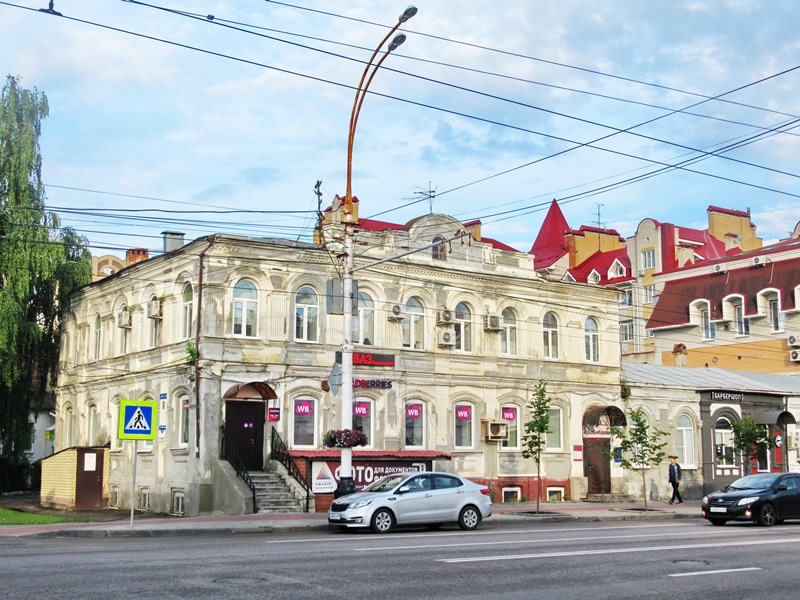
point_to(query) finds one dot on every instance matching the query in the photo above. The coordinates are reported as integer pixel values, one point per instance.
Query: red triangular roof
(553, 228)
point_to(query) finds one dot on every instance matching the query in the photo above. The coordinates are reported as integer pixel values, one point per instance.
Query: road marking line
(716, 572)
(618, 551)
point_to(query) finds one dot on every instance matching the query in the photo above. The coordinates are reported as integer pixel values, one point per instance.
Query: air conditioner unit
(444, 317)
(124, 319)
(641, 272)
(794, 355)
(396, 312)
(154, 309)
(491, 323)
(758, 261)
(793, 340)
(719, 269)
(495, 431)
(447, 337)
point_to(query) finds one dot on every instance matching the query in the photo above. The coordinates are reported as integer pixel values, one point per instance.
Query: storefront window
(304, 410)
(415, 425)
(510, 414)
(554, 435)
(723, 443)
(463, 425)
(685, 441)
(362, 418)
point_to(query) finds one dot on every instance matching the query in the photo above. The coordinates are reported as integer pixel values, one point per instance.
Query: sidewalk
(116, 523)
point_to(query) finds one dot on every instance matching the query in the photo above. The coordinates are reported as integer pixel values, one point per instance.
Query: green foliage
(40, 265)
(534, 439)
(750, 438)
(641, 445)
(191, 353)
(16, 517)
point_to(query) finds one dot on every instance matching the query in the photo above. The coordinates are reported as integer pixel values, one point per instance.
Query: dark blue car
(764, 498)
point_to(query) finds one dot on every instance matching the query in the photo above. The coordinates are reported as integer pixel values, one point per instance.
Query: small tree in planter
(641, 445)
(750, 439)
(534, 439)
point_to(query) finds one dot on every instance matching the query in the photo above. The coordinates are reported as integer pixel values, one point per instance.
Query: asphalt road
(663, 560)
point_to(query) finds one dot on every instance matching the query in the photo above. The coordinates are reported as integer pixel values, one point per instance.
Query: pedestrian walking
(675, 479)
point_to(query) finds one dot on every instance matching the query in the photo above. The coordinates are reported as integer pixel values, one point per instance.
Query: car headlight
(748, 500)
(705, 499)
(361, 503)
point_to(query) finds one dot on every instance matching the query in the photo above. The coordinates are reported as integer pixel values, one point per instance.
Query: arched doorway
(597, 445)
(245, 417)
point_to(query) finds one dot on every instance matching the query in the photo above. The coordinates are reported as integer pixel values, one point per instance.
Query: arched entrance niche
(245, 417)
(597, 443)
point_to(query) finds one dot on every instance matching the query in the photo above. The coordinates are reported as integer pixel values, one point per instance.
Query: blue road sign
(137, 420)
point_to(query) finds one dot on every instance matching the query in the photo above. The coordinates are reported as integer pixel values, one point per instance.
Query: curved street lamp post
(346, 484)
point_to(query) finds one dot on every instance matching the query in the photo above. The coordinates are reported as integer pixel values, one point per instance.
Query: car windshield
(760, 481)
(386, 484)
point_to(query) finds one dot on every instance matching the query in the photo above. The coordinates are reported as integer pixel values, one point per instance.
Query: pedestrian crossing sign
(137, 420)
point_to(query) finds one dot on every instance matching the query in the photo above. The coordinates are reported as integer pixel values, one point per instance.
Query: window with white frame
(463, 328)
(709, 328)
(550, 335)
(245, 309)
(303, 428)
(439, 250)
(685, 441)
(146, 445)
(462, 427)
(649, 259)
(116, 443)
(510, 414)
(69, 425)
(724, 453)
(649, 293)
(591, 339)
(415, 425)
(626, 297)
(187, 312)
(626, 331)
(122, 333)
(183, 406)
(508, 332)
(97, 338)
(554, 438)
(742, 322)
(649, 333)
(306, 320)
(777, 319)
(762, 453)
(414, 325)
(154, 330)
(362, 418)
(364, 323)
(92, 423)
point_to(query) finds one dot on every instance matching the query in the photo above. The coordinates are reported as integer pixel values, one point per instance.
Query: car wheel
(766, 515)
(469, 518)
(718, 521)
(382, 521)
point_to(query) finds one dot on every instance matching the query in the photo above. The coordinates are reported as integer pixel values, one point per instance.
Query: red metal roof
(552, 230)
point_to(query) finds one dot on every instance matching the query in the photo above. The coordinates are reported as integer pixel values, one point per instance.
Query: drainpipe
(211, 239)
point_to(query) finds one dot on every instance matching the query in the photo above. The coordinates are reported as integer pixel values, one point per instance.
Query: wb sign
(137, 420)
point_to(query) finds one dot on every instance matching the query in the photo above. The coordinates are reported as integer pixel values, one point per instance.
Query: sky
(211, 116)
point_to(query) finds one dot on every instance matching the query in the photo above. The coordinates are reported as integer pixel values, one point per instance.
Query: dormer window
(439, 250)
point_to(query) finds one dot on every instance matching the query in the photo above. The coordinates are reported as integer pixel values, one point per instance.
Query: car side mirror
(403, 489)
(782, 487)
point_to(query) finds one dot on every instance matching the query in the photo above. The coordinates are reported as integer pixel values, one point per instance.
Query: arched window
(97, 333)
(413, 325)
(154, 314)
(304, 423)
(550, 335)
(415, 424)
(685, 441)
(306, 311)
(463, 328)
(723, 443)
(183, 405)
(245, 309)
(364, 324)
(591, 340)
(123, 329)
(362, 418)
(508, 332)
(554, 437)
(463, 434)
(187, 321)
(510, 414)
(92, 424)
(69, 424)
(439, 251)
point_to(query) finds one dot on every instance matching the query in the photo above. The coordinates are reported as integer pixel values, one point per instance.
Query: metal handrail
(280, 452)
(228, 452)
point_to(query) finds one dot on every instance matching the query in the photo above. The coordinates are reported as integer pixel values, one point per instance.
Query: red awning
(372, 454)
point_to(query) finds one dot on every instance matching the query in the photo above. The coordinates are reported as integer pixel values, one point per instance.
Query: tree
(641, 446)
(751, 439)
(534, 439)
(40, 264)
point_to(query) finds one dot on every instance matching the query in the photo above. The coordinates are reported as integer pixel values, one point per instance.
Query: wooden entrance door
(596, 465)
(89, 478)
(244, 427)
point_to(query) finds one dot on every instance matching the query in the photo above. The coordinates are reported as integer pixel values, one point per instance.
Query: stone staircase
(610, 498)
(273, 495)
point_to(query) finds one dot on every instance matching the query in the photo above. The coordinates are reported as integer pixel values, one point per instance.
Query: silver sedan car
(418, 498)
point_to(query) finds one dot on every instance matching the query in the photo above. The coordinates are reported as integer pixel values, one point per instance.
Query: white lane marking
(358, 537)
(718, 571)
(619, 551)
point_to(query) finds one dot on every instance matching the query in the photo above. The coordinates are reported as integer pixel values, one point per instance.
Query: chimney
(172, 240)
(135, 255)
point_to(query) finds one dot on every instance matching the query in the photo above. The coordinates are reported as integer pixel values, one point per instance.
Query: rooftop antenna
(51, 10)
(599, 222)
(430, 195)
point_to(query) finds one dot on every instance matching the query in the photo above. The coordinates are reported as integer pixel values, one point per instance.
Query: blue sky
(473, 95)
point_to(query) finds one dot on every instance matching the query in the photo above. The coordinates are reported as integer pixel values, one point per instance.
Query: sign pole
(133, 485)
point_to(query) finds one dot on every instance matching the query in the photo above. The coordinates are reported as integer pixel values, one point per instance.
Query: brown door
(89, 478)
(596, 465)
(244, 427)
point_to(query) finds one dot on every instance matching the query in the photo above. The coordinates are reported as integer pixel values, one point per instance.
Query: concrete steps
(273, 495)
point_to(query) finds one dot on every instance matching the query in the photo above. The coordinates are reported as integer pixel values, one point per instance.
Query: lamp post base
(346, 486)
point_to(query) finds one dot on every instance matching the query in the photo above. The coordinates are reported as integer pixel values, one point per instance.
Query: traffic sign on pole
(137, 420)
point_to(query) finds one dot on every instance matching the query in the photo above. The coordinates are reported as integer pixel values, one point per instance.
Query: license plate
(334, 517)
(719, 509)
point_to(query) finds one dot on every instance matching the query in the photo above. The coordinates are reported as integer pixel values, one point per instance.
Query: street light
(346, 484)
